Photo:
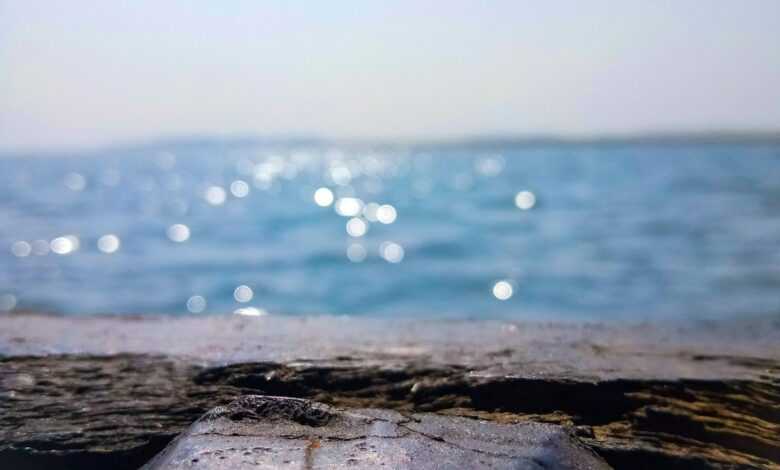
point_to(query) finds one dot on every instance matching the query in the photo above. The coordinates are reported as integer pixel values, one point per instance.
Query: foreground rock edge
(283, 432)
(97, 411)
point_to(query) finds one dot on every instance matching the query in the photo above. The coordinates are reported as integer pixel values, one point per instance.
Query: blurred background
(578, 161)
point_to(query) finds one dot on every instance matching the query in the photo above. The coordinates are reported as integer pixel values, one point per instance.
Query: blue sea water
(604, 232)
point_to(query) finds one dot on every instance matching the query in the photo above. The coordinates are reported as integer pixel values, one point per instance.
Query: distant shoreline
(483, 142)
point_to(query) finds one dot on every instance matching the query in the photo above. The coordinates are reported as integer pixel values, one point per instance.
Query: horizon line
(718, 136)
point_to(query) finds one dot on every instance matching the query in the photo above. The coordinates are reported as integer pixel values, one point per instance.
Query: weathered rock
(104, 392)
(489, 348)
(277, 432)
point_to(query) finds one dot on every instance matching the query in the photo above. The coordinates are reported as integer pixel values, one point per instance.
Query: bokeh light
(356, 227)
(356, 252)
(323, 197)
(75, 181)
(391, 252)
(108, 243)
(239, 188)
(64, 245)
(525, 200)
(215, 195)
(21, 249)
(369, 212)
(178, 233)
(503, 290)
(243, 294)
(386, 214)
(349, 206)
(196, 304)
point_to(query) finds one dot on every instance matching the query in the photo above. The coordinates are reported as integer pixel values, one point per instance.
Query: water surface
(636, 232)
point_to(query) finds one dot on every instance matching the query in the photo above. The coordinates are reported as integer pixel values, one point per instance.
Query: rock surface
(692, 350)
(276, 432)
(103, 392)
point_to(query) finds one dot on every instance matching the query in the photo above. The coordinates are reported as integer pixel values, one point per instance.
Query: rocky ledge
(109, 392)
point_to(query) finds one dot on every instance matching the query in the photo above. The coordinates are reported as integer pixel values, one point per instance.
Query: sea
(558, 231)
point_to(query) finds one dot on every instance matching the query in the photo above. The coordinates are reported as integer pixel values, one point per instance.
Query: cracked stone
(279, 432)
(113, 392)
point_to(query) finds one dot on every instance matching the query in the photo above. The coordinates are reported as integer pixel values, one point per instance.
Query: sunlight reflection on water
(605, 232)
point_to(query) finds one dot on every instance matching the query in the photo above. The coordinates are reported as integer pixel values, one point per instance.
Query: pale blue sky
(83, 73)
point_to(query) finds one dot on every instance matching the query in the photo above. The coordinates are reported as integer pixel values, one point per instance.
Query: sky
(78, 73)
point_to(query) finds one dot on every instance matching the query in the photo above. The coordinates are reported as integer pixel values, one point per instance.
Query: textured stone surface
(692, 350)
(275, 432)
(112, 392)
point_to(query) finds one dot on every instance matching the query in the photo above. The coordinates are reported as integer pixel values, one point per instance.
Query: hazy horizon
(88, 74)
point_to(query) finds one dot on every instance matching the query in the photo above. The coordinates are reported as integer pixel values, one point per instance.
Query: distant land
(477, 142)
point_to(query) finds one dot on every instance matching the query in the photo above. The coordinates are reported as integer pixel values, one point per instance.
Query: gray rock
(488, 348)
(114, 391)
(257, 431)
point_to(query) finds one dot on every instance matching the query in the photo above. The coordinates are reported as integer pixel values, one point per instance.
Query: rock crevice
(87, 411)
